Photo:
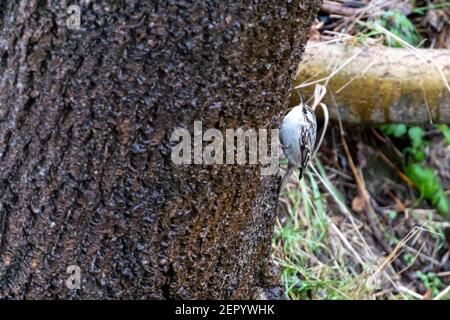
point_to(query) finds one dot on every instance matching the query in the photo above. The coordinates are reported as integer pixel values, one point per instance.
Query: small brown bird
(297, 137)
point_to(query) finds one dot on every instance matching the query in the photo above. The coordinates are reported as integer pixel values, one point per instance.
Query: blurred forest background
(370, 220)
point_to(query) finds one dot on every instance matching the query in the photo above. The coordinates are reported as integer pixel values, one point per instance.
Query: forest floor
(368, 220)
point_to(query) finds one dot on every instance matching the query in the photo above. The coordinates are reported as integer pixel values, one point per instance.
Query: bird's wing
(305, 146)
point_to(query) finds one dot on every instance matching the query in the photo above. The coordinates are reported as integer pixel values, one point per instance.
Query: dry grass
(327, 251)
(333, 240)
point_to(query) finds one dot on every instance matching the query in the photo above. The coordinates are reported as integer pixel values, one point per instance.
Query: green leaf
(419, 155)
(396, 130)
(429, 186)
(442, 204)
(423, 10)
(416, 135)
(392, 214)
(399, 24)
(445, 131)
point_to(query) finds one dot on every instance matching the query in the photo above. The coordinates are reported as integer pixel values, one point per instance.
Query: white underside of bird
(297, 137)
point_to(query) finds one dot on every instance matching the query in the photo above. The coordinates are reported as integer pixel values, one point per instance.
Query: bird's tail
(287, 174)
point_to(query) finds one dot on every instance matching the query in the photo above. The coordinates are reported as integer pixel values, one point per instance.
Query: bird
(297, 136)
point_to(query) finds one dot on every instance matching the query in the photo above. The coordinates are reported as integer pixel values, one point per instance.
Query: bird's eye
(304, 110)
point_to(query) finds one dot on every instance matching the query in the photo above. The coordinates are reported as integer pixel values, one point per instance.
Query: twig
(426, 103)
(442, 294)
(326, 118)
(338, 8)
(331, 75)
(397, 171)
(410, 292)
(363, 72)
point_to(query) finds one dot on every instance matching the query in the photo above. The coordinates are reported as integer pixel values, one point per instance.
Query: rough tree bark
(85, 123)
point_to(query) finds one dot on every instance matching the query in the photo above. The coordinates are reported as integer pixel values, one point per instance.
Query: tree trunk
(86, 117)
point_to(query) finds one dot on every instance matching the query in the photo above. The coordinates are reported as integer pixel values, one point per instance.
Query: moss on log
(379, 84)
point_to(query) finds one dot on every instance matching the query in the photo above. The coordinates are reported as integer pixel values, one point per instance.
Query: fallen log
(372, 85)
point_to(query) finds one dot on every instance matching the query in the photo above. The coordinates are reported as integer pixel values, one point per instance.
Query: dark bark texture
(86, 116)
